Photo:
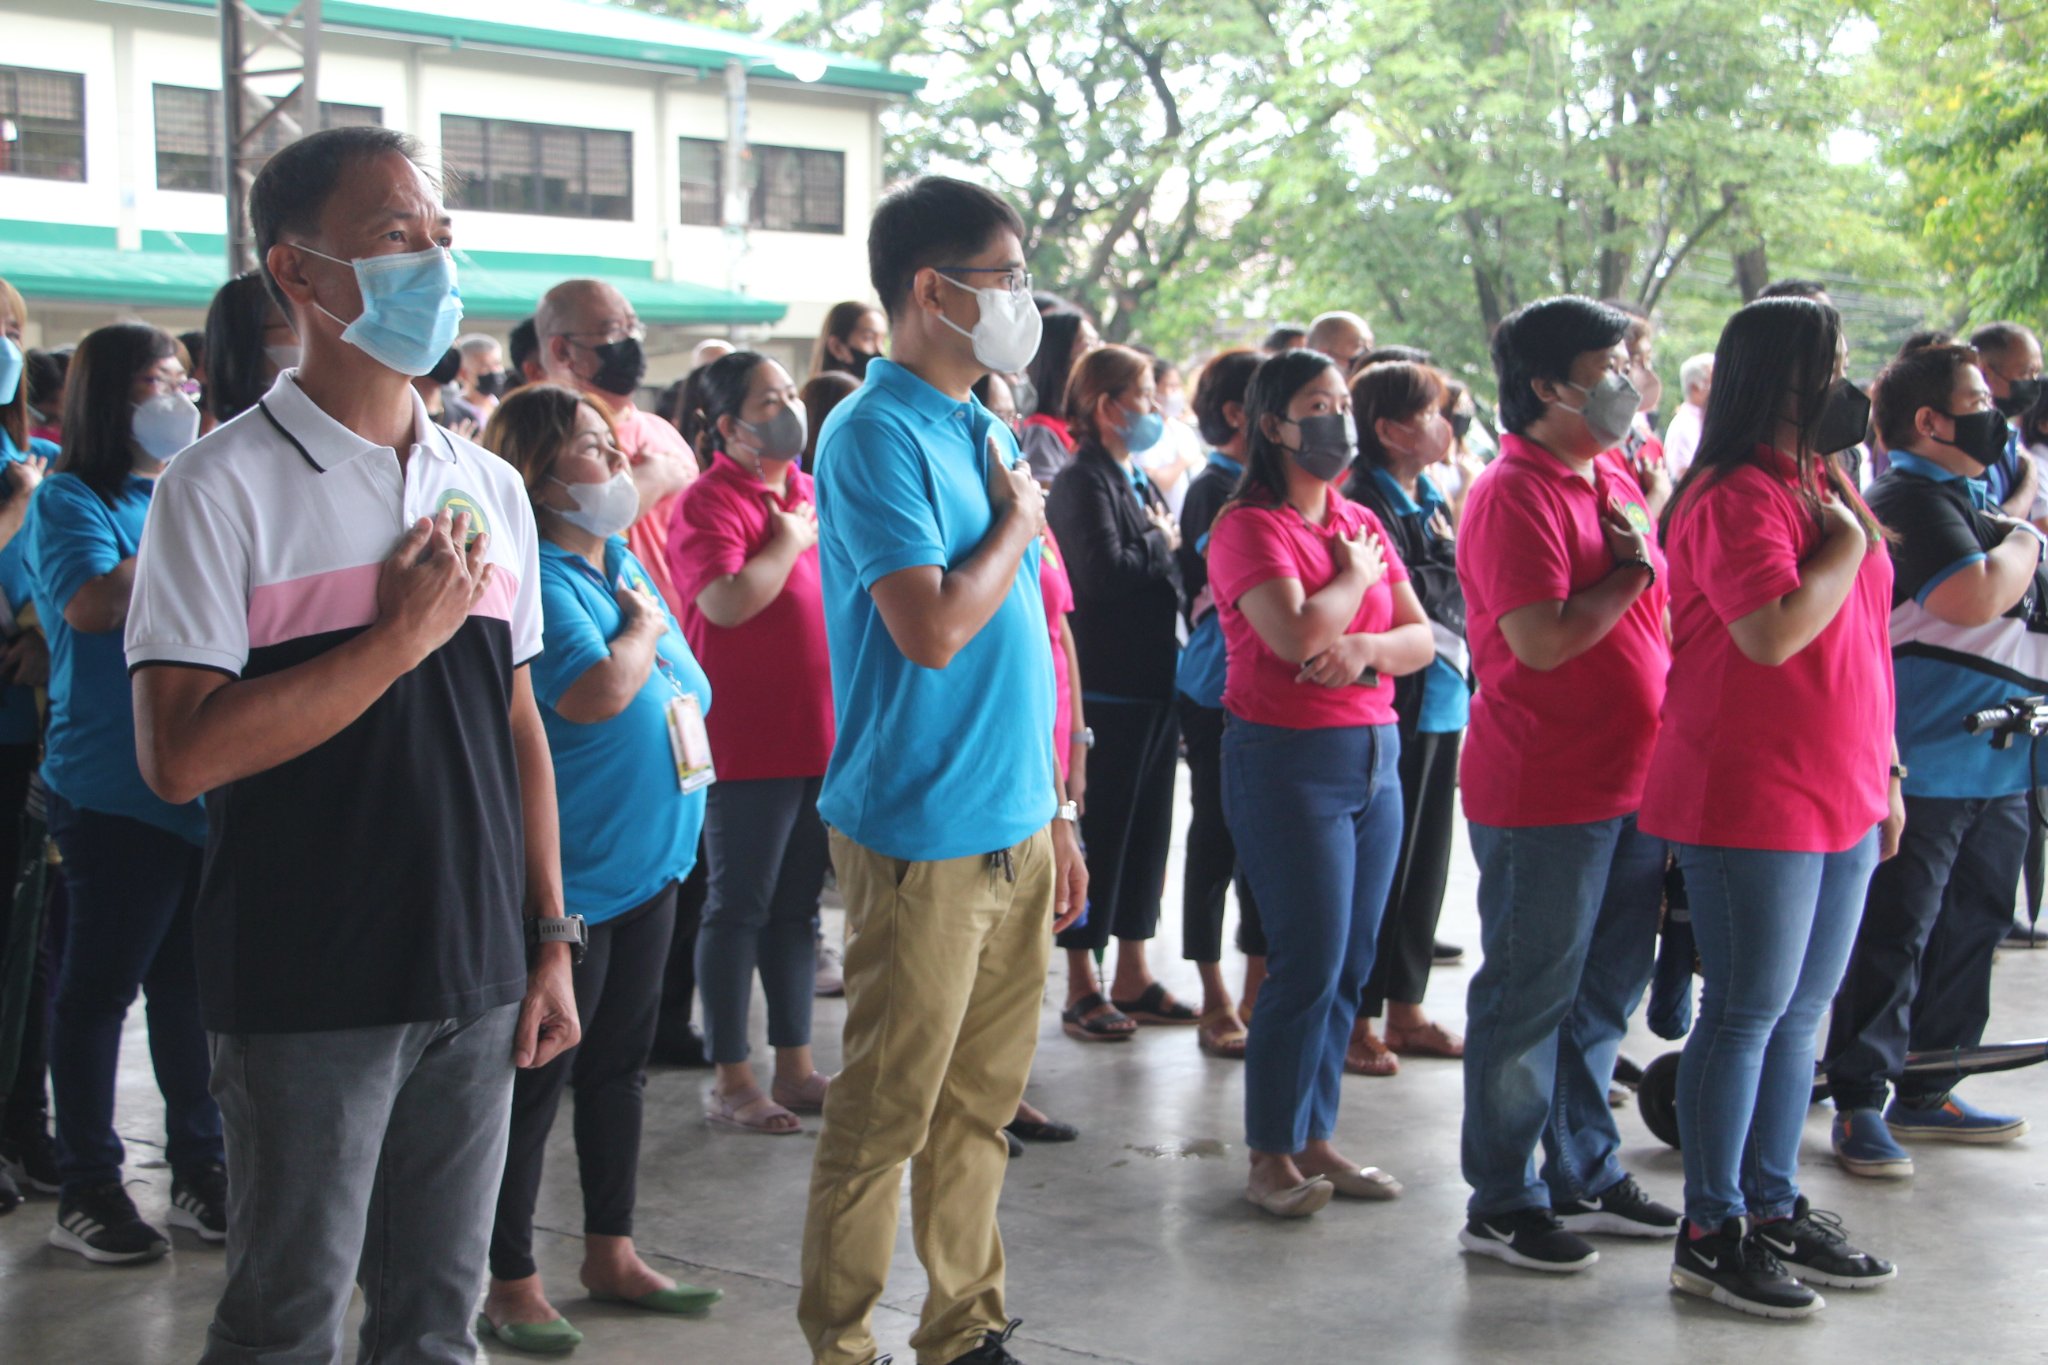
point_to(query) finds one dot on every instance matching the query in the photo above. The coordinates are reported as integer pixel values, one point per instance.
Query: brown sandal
(1431, 1040)
(1220, 1035)
(1369, 1056)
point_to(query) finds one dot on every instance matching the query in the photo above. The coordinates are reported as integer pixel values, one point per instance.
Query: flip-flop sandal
(1049, 1131)
(1153, 1007)
(809, 1098)
(1431, 1040)
(1227, 1044)
(729, 1112)
(1101, 1028)
(1372, 1058)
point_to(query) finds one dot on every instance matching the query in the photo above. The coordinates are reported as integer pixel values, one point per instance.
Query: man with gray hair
(1342, 336)
(1682, 436)
(482, 375)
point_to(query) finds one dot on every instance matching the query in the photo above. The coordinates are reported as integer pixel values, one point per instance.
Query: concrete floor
(1132, 1246)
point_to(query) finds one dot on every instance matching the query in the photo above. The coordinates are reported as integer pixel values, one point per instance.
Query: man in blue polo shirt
(954, 844)
(1967, 633)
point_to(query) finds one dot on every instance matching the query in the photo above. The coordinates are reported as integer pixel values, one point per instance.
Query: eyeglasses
(1014, 280)
(610, 337)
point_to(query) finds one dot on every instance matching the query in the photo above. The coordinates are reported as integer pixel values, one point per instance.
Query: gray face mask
(782, 436)
(1611, 406)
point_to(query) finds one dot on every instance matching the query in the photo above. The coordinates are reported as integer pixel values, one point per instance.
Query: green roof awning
(505, 288)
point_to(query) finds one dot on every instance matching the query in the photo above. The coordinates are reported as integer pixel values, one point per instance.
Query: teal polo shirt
(927, 763)
(628, 828)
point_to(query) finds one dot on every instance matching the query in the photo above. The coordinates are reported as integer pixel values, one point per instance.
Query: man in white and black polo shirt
(334, 605)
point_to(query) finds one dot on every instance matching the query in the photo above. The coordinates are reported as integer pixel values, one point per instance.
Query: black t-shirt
(1937, 525)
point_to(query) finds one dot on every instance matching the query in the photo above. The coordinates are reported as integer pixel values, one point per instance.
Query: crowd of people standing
(573, 709)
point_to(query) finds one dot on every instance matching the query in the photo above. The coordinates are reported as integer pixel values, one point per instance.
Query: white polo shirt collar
(326, 444)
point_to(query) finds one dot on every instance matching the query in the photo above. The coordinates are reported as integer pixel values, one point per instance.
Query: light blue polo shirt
(19, 723)
(89, 759)
(928, 763)
(628, 829)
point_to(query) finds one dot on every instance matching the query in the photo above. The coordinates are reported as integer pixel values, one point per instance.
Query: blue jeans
(1568, 929)
(1774, 932)
(131, 888)
(1317, 819)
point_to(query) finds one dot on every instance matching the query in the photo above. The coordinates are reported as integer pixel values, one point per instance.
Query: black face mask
(1844, 420)
(1980, 435)
(858, 366)
(2022, 394)
(1461, 422)
(1327, 446)
(621, 366)
(491, 383)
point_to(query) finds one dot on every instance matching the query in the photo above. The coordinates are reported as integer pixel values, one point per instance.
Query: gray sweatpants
(360, 1156)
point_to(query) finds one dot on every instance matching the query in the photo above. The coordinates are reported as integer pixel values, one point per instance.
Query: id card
(689, 743)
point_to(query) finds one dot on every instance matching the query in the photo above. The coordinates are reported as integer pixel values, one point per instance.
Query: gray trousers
(360, 1156)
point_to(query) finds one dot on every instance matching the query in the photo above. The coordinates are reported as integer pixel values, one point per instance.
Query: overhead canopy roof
(581, 28)
(82, 265)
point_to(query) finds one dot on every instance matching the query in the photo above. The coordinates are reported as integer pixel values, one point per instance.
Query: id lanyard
(688, 741)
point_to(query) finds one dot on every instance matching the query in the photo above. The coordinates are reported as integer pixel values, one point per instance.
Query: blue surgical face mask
(10, 370)
(1143, 430)
(411, 308)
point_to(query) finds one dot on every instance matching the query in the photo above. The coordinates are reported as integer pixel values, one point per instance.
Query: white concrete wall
(124, 51)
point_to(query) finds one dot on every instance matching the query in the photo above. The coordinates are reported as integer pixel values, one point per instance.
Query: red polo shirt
(770, 674)
(1572, 745)
(1795, 757)
(1251, 545)
(641, 434)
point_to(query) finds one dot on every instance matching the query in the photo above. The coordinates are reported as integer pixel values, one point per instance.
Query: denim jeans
(1317, 819)
(1774, 932)
(369, 1157)
(767, 851)
(131, 888)
(1568, 929)
(1920, 975)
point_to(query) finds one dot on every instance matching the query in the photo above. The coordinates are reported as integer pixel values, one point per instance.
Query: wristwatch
(568, 929)
(1068, 811)
(1898, 772)
(1085, 737)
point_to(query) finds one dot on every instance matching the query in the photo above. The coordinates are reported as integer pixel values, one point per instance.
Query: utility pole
(248, 40)
(738, 206)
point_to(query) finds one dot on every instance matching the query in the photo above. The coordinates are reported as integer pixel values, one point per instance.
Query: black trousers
(1429, 804)
(1919, 976)
(1127, 827)
(679, 982)
(27, 1101)
(1211, 868)
(618, 995)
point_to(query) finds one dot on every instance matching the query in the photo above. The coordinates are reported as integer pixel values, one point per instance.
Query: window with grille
(502, 166)
(789, 189)
(42, 123)
(191, 136)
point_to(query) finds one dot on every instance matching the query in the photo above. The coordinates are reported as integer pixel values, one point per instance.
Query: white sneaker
(830, 979)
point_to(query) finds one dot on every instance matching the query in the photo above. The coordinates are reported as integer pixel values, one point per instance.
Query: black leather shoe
(993, 1350)
(684, 1048)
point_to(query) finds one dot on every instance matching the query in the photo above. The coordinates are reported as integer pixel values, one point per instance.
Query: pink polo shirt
(1058, 591)
(1796, 757)
(1250, 545)
(642, 434)
(770, 676)
(1570, 746)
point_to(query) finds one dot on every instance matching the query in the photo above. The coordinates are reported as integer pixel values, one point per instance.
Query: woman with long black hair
(1776, 778)
(1318, 620)
(131, 859)
(1045, 436)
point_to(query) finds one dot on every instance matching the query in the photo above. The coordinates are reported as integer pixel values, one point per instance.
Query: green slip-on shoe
(552, 1338)
(684, 1298)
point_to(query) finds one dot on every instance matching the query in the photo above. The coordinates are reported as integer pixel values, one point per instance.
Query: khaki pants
(945, 972)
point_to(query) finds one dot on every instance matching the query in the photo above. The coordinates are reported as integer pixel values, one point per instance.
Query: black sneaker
(1737, 1271)
(10, 1194)
(992, 1350)
(1442, 954)
(32, 1161)
(201, 1202)
(100, 1223)
(1530, 1238)
(1620, 1210)
(1813, 1247)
